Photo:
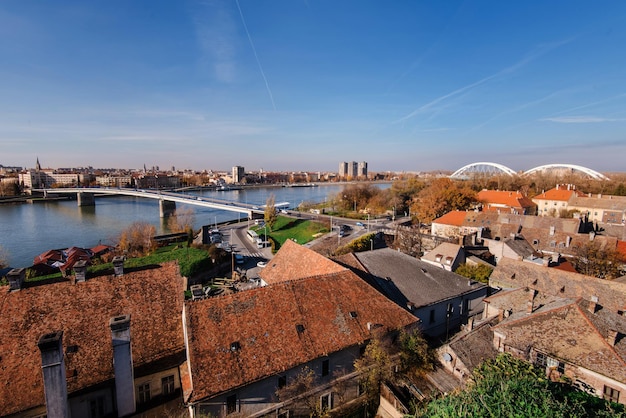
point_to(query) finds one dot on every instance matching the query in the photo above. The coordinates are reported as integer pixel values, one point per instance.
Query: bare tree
(137, 239)
(4, 258)
(599, 261)
(182, 221)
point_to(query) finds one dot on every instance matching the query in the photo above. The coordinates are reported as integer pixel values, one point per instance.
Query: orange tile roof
(455, 218)
(294, 261)
(561, 194)
(507, 198)
(263, 323)
(153, 298)
(621, 248)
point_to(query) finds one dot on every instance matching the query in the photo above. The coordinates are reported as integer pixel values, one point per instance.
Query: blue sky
(305, 84)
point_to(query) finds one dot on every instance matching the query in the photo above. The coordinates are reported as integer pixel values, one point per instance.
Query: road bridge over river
(167, 200)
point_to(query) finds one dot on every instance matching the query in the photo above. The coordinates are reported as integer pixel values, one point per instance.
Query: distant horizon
(294, 85)
(255, 170)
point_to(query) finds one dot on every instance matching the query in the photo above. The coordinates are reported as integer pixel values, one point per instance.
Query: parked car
(238, 258)
(261, 264)
(359, 224)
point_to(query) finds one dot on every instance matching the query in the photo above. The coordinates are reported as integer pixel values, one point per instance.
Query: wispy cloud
(256, 56)
(517, 109)
(581, 119)
(216, 36)
(530, 57)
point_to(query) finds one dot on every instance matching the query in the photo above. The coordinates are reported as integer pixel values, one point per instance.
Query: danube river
(27, 230)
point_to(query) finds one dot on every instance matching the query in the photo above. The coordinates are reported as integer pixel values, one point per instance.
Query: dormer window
(438, 258)
(353, 314)
(234, 346)
(300, 328)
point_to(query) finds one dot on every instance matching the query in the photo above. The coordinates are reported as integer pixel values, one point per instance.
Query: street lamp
(368, 222)
(371, 244)
(394, 214)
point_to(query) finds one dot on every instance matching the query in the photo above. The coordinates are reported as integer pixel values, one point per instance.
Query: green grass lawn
(300, 230)
(190, 260)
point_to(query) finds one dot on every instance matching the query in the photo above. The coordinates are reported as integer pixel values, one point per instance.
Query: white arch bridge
(167, 200)
(492, 169)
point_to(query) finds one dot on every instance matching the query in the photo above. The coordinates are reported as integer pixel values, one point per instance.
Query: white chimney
(118, 265)
(54, 380)
(123, 365)
(80, 271)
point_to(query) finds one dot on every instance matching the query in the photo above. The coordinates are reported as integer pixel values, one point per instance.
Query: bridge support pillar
(86, 199)
(166, 208)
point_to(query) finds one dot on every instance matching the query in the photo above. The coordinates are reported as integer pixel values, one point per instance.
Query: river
(27, 230)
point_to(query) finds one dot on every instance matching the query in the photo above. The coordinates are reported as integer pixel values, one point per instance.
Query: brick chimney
(593, 304)
(80, 271)
(531, 301)
(612, 337)
(16, 278)
(118, 265)
(54, 381)
(123, 365)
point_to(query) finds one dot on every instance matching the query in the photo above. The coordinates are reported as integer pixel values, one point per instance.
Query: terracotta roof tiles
(153, 298)
(294, 261)
(244, 337)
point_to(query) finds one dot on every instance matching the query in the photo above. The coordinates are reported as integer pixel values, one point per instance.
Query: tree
(137, 239)
(478, 272)
(301, 395)
(442, 196)
(270, 214)
(182, 220)
(4, 258)
(415, 353)
(374, 368)
(593, 259)
(510, 387)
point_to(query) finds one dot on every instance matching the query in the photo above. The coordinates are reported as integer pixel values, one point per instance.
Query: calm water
(27, 230)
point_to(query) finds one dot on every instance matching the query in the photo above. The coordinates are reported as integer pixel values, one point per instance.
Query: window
(167, 385)
(144, 393)
(611, 394)
(326, 401)
(231, 404)
(325, 367)
(540, 360)
(432, 316)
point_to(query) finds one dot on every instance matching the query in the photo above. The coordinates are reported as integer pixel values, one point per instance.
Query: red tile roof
(561, 193)
(454, 218)
(621, 248)
(263, 322)
(506, 198)
(294, 261)
(153, 298)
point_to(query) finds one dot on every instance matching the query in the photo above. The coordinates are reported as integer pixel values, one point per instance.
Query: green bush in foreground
(509, 387)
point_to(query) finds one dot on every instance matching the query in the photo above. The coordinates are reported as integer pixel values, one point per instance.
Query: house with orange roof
(243, 348)
(451, 224)
(103, 346)
(556, 200)
(502, 201)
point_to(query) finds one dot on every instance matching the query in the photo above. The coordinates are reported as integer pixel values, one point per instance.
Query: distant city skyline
(300, 85)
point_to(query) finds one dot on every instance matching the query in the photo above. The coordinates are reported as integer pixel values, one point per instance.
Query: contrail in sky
(267, 86)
